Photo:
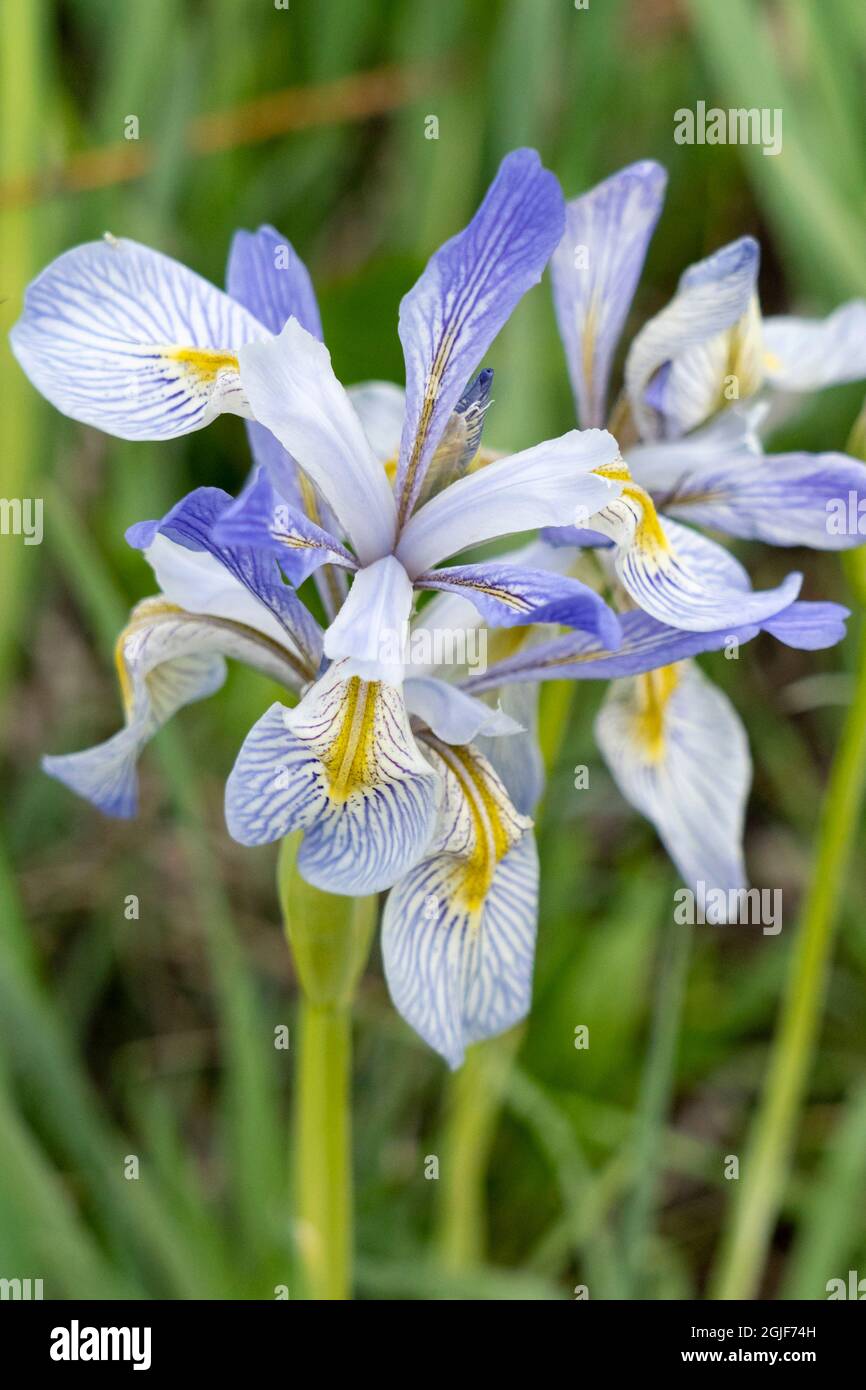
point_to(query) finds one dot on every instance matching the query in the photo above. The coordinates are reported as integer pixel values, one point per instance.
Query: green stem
(770, 1146)
(323, 1155)
(329, 938)
(473, 1101)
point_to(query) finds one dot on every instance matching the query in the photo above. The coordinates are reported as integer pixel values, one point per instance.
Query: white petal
(132, 342)
(294, 392)
(543, 486)
(679, 754)
(372, 627)
(805, 354)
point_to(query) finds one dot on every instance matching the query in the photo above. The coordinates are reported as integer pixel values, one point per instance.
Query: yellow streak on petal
(390, 466)
(142, 616)
(203, 363)
(648, 535)
(492, 838)
(654, 690)
(350, 762)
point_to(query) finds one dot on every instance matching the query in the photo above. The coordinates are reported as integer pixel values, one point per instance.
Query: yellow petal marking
(492, 837)
(653, 691)
(203, 363)
(648, 535)
(350, 761)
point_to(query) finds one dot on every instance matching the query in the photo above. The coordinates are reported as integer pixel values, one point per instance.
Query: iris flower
(686, 420)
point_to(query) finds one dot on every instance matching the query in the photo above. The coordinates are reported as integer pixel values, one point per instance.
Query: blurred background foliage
(154, 1037)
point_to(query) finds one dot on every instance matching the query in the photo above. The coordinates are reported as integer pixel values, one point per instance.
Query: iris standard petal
(509, 595)
(128, 340)
(679, 754)
(595, 270)
(712, 296)
(203, 573)
(166, 658)
(806, 354)
(465, 295)
(678, 575)
(372, 627)
(543, 486)
(268, 277)
(294, 392)
(343, 766)
(458, 931)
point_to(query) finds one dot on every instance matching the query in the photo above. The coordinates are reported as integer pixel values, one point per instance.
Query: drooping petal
(454, 716)
(200, 571)
(458, 931)
(806, 354)
(647, 644)
(818, 500)
(343, 767)
(712, 296)
(809, 626)
(508, 595)
(465, 295)
(680, 576)
(372, 627)
(294, 392)
(595, 270)
(679, 754)
(128, 340)
(261, 520)
(166, 658)
(543, 486)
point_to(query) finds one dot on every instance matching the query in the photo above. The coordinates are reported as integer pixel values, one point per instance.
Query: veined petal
(809, 626)
(664, 468)
(707, 377)
(806, 354)
(817, 500)
(166, 658)
(343, 767)
(647, 644)
(509, 595)
(261, 520)
(268, 277)
(679, 576)
(595, 270)
(458, 931)
(128, 340)
(467, 292)
(204, 573)
(372, 627)
(712, 296)
(452, 715)
(294, 392)
(542, 486)
(678, 752)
